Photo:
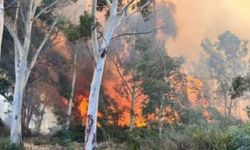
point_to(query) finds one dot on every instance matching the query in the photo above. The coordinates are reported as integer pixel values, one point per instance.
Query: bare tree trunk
(230, 108)
(22, 68)
(41, 118)
(1, 24)
(132, 110)
(16, 130)
(70, 104)
(225, 104)
(90, 132)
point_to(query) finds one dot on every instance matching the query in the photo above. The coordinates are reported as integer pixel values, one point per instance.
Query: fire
(194, 91)
(124, 102)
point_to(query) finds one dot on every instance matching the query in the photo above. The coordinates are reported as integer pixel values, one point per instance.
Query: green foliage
(192, 116)
(87, 25)
(5, 144)
(141, 138)
(72, 32)
(238, 138)
(158, 72)
(82, 30)
(210, 137)
(62, 137)
(65, 137)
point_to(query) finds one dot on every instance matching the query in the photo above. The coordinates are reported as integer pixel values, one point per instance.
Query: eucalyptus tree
(26, 17)
(161, 81)
(74, 34)
(127, 71)
(117, 11)
(224, 60)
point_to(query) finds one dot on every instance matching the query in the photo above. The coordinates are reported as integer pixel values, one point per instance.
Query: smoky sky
(200, 19)
(188, 23)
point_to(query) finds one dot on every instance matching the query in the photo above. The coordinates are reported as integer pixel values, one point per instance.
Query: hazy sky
(197, 19)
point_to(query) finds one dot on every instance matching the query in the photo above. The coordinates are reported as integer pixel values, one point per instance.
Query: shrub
(5, 144)
(238, 138)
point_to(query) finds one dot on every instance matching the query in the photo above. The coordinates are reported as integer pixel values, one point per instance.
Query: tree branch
(145, 5)
(120, 74)
(94, 33)
(126, 7)
(135, 33)
(45, 39)
(34, 58)
(46, 9)
(13, 35)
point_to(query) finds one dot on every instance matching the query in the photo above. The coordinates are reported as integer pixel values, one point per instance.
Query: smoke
(198, 19)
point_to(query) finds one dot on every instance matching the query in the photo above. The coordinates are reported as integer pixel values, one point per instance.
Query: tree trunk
(230, 108)
(16, 130)
(1, 24)
(41, 118)
(90, 132)
(132, 110)
(225, 104)
(70, 104)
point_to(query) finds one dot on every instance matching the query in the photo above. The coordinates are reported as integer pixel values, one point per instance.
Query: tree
(74, 34)
(127, 71)
(225, 61)
(161, 82)
(31, 10)
(116, 12)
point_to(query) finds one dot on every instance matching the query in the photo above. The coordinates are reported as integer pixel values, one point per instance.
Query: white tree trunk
(72, 91)
(90, 132)
(1, 24)
(16, 129)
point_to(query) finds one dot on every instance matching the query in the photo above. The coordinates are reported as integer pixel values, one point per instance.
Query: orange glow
(124, 102)
(194, 88)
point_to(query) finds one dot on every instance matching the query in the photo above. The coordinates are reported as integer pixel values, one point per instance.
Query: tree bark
(16, 130)
(70, 104)
(230, 108)
(90, 132)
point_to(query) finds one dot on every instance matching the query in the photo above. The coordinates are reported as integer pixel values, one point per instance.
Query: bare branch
(13, 35)
(34, 58)
(45, 39)
(94, 32)
(145, 5)
(120, 75)
(126, 7)
(12, 3)
(46, 9)
(133, 33)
